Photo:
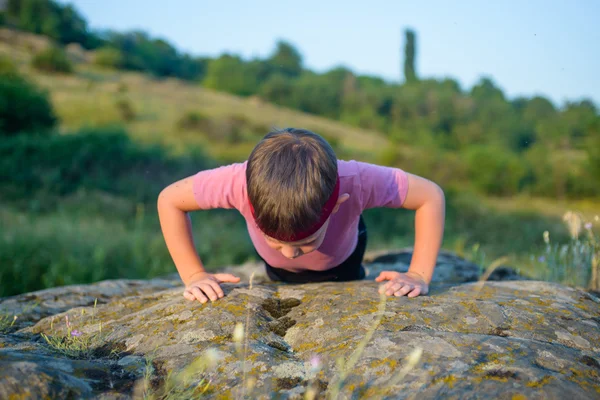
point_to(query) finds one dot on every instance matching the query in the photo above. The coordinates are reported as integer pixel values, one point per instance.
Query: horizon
(519, 71)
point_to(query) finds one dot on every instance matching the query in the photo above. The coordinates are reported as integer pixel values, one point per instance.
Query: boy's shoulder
(355, 168)
(348, 168)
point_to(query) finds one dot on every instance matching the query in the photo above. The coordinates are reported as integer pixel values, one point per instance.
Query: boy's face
(293, 250)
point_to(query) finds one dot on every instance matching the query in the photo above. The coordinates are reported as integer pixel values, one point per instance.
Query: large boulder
(508, 339)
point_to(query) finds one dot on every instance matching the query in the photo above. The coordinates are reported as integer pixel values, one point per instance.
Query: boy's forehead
(299, 242)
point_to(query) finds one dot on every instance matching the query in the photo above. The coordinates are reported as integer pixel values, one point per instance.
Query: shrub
(105, 160)
(7, 66)
(108, 57)
(53, 59)
(126, 110)
(23, 107)
(194, 121)
(230, 129)
(494, 171)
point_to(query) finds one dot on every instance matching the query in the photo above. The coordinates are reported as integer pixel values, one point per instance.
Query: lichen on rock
(503, 339)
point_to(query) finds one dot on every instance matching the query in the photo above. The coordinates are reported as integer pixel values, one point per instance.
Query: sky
(534, 47)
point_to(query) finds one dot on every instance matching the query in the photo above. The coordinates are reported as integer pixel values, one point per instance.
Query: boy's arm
(174, 203)
(428, 200)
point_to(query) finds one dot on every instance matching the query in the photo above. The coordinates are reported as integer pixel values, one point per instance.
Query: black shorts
(350, 269)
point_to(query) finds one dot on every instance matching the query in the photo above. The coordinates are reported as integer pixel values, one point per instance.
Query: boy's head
(293, 183)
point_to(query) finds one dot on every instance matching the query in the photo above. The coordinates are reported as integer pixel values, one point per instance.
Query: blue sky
(530, 47)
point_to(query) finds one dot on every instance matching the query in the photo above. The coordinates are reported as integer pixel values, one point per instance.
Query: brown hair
(291, 174)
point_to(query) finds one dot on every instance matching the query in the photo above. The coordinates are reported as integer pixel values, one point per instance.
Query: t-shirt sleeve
(382, 186)
(223, 187)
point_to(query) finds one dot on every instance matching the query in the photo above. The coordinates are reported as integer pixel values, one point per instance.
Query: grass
(81, 101)
(91, 236)
(77, 244)
(7, 322)
(577, 261)
(181, 385)
(74, 343)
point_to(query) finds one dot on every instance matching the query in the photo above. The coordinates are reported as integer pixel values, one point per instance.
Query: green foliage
(277, 90)
(7, 67)
(108, 57)
(59, 22)
(231, 74)
(53, 59)
(576, 262)
(104, 160)
(73, 343)
(194, 121)
(231, 129)
(549, 144)
(7, 322)
(494, 171)
(23, 107)
(410, 74)
(126, 110)
(139, 52)
(286, 60)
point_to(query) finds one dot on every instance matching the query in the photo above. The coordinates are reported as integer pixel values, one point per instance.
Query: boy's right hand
(206, 286)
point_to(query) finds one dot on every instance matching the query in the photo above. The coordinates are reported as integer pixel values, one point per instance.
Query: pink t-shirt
(368, 185)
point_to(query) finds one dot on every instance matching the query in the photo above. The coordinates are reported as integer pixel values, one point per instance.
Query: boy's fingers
(386, 286)
(198, 294)
(385, 275)
(416, 291)
(394, 288)
(217, 289)
(188, 295)
(209, 291)
(404, 290)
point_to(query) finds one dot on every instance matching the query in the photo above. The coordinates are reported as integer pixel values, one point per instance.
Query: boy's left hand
(400, 284)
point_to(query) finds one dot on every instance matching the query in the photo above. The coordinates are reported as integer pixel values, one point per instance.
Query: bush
(494, 171)
(108, 57)
(104, 160)
(194, 121)
(231, 129)
(7, 66)
(53, 59)
(126, 110)
(23, 107)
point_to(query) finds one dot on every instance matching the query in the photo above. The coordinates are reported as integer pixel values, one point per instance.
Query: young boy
(303, 211)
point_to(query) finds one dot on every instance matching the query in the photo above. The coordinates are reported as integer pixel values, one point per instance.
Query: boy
(303, 210)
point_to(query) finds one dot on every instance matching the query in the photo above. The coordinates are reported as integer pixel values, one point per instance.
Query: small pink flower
(76, 333)
(315, 362)
(588, 226)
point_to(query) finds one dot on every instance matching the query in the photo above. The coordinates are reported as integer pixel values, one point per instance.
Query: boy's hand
(206, 286)
(410, 284)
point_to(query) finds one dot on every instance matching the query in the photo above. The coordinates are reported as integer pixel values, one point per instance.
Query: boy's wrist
(194, 276)
(419, 274)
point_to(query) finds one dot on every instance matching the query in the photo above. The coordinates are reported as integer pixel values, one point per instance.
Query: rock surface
(509, 339)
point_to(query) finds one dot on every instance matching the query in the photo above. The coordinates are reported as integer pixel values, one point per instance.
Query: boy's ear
(341, 199)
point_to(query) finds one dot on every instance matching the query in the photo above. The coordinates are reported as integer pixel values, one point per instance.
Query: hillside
(92, 96)
(115, 233)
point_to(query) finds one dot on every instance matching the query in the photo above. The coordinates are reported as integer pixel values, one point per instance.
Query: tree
(410, 74)
(230, 74)
(23, 107)
(286, 60)
(60, 22)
